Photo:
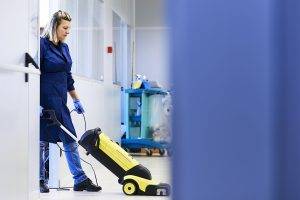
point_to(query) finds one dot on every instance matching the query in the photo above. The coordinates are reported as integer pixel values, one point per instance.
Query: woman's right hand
(78, 106)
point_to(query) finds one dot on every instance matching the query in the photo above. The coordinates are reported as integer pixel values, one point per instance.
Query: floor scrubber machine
(135, 178)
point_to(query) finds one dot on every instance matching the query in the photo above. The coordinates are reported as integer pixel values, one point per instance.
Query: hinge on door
(28, 60)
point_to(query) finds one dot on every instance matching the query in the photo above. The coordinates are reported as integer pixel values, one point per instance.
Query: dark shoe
(87, 185)
(43, 187)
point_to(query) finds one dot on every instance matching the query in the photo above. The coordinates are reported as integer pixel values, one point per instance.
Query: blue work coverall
(55, 82)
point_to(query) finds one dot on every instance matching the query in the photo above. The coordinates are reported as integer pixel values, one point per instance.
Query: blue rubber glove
(41, 111)
(78, 106)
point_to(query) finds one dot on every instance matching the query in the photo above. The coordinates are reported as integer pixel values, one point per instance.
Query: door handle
(28, 60)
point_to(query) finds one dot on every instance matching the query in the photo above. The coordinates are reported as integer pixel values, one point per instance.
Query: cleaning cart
(140, 132)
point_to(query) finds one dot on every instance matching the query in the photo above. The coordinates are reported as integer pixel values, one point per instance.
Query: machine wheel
(162, 152)
(149, 152)
(130, 187)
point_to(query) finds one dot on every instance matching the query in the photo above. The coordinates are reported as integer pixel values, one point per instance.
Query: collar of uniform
(55, 50)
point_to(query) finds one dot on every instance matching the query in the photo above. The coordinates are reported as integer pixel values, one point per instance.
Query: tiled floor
(158, 166)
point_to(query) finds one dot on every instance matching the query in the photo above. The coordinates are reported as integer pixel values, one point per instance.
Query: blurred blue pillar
(226, 67)
(290, 102)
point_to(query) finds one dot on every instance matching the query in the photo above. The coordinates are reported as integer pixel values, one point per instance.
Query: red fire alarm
(109, 49)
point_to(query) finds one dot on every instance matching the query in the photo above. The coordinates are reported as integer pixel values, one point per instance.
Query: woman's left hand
(78, 106)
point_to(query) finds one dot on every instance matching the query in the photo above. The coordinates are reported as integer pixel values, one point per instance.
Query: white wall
(150, 13)
(152, 41)
(19, 146)
(102, 107)
(101, 100)
(19, 102)
(152, 54)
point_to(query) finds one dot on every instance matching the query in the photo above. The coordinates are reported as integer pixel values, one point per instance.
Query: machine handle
(50, 115)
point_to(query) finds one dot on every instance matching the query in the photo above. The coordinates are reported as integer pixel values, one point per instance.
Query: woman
(56, 82)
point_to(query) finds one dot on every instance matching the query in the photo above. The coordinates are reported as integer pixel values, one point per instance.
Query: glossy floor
(159, 167)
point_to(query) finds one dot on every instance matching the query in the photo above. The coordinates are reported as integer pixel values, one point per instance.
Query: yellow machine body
(116, 153)
(135, 178)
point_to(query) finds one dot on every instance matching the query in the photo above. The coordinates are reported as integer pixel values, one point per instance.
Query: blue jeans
(44, 156)
(73, 160)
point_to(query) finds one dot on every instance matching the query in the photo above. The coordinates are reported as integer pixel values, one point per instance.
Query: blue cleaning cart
(138, 130)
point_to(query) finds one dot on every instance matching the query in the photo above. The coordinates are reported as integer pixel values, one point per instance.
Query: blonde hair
(51, 27)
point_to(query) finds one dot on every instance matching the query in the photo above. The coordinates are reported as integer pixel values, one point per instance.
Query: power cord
(72, 150)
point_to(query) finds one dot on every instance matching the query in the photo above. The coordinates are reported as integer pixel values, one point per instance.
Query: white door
(19, 100)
